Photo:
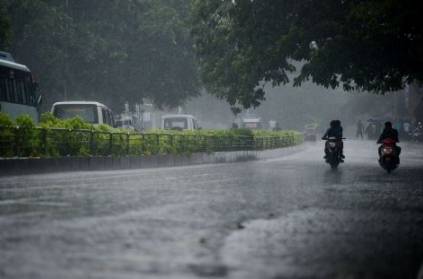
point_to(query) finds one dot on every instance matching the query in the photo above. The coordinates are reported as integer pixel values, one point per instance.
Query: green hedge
(74, 137)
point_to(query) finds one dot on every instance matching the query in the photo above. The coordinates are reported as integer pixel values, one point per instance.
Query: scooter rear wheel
(334, 165)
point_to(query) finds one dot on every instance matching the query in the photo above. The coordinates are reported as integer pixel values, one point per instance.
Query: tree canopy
(112, 51)
(357, 44)
(4, 27)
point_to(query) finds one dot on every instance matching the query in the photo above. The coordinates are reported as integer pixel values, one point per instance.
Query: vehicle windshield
(252, 125)
(176, 123)
(19, 90)
(86, 112)
(120, 123)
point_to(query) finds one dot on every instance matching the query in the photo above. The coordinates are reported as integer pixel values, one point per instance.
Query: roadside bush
(74, 137)
(26, 141)
(5, 120)
(7, 136)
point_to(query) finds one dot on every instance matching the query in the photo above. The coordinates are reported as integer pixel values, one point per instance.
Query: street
(287, 217)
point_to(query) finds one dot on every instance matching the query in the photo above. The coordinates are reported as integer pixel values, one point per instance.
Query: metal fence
(57, 142)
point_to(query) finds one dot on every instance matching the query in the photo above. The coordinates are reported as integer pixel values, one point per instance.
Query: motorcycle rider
(335, 131)
(389, 133)
(417, 132)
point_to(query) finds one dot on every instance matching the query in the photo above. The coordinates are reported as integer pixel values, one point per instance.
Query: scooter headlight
(387, 150)
(332, 144)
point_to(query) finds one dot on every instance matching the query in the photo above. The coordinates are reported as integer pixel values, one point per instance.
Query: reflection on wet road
(287, 217)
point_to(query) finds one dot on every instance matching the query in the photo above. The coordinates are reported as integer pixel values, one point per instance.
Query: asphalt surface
(287, 217)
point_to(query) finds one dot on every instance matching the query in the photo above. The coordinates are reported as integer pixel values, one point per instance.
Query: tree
(4, 26)
(357, 44)
(111, 51)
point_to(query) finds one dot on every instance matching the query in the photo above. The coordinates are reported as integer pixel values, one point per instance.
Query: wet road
(288, 217)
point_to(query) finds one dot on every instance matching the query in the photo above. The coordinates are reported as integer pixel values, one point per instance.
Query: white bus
(17, 89)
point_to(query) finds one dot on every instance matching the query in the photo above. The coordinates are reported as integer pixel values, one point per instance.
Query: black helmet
(388, 124)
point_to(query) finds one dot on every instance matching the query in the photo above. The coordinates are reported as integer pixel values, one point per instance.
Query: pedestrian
(360, 129)
(406, 128)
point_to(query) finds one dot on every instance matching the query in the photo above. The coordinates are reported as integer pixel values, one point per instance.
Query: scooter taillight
(388, 142)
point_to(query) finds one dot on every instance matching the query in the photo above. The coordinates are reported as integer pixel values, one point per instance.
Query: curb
(22, 166)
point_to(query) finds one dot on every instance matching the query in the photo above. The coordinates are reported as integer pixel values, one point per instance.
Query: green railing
(58, 142)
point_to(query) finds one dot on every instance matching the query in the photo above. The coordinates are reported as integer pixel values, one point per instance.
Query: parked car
(92, 112)
(179, 122)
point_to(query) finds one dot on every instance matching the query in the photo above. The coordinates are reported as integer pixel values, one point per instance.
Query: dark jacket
(389, 133)
(335, 132)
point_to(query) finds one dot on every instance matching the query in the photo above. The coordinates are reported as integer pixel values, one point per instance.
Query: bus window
(6, 89)
(3, 93)
(110, 118)
(107, 117)
(19, 91)
(30, 90)
(195, 124)
(10, 91)
(104, 115)
(14, 91)
(27, 91)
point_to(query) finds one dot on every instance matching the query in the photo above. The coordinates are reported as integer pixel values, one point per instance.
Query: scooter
(388, 157)
(417, 134)
(333, 151)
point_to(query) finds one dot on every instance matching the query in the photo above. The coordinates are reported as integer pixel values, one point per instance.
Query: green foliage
(47, 120)
(26, 139)
(111, 51)
(5, 120)
(25, 122)
(7, 136)
(365, 45)
(4, 26)
(276, 139)
(74, 137)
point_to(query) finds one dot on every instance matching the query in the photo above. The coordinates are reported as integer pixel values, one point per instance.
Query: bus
(17, 89)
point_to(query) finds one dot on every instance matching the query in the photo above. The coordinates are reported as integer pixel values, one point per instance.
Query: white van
(179, 122)
(125, 122)
(92, 112)
(251, 123)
